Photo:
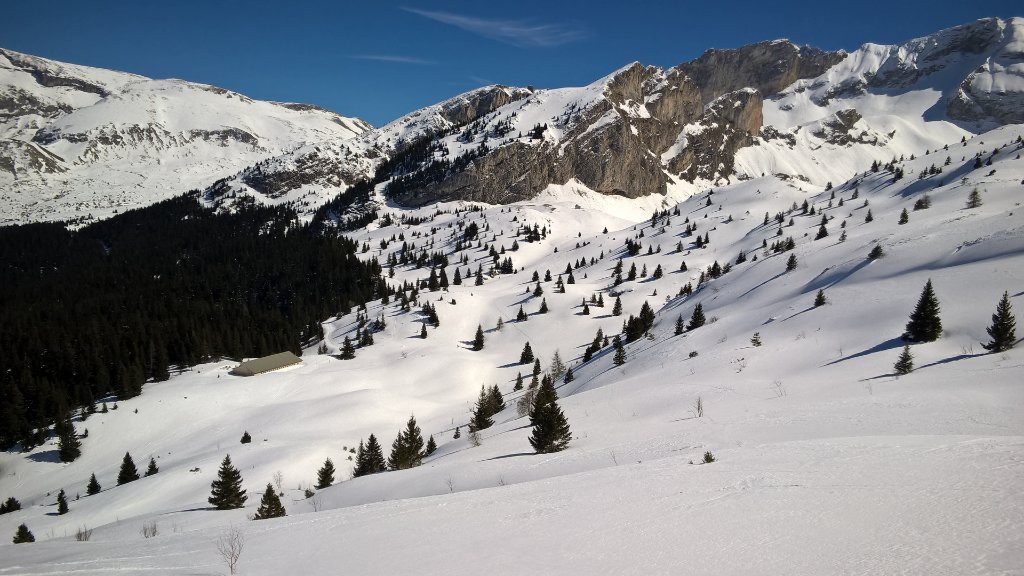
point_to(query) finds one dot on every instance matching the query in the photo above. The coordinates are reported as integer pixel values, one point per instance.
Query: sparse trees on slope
(226, 491)
(128, 472)
(1003, 330)
(270, 505)
(925, 324)
(369, 458)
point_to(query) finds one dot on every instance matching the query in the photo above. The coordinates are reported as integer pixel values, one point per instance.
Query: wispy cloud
(393, 58)
(515, 32)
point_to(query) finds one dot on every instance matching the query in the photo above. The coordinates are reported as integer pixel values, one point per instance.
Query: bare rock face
(767, 67)
(995, 90)
(729, 123)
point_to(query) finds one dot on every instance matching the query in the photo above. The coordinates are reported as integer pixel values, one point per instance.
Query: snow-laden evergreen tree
(93, 487)
(925, 324)
(10, 505)
(407, 449)
(1003, 330)
(128, 472)
(69, 448)
(478, 340)
(152, 468)
(325, 475)
(270, 505)
(226, 491)
(557, 367)
(23, 535)
(697, 318)
(527, 355)
(62, 503)
(905, 363)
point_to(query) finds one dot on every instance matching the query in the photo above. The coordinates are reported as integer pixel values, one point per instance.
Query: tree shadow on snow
(887, 345)
(800, 312)
(509, 456)
(45, 456)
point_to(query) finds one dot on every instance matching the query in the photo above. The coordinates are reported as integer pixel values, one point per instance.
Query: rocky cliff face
(768, 67)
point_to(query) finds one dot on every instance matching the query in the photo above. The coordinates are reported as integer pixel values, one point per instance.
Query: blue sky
(378, 60)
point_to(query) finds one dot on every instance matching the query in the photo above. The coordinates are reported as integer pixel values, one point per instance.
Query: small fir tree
(617, 308)
(791, 263)
(974, 199)
(905, 363)
(245, 437)
(431, 446)
(348, 351)
(325, 475)
(62, 503)
(925, 324)
(226, 491)
(128, 472)
(620, 352)
(904, 217)
(680, 325)
(820, 299)
(755, 340)
(527, 355)
(407, 449)
(69, 448)
(152, 468)
(550, 427)
(93, 487)
(876, 252)
(270, 505)
(1003, 330)
(478, 340)
(697, 319)
(23, 535)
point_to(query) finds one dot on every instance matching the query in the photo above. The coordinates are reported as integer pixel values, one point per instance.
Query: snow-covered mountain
(77, 141)
(771, 107)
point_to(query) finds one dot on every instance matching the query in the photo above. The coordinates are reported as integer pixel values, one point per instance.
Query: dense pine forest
(101, 310)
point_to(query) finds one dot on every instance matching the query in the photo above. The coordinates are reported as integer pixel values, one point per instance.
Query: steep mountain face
(76, 141)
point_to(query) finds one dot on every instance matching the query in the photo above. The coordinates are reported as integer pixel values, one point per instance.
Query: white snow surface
(826, 462)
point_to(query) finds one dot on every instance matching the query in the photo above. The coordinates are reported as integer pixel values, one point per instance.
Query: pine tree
(755, 340)
(550, 427)
(245, 437)
(620, 352)
(152, 469)
(495, 401)
(270, 505)
(93, 487)
(557, 367)
(680, 325)
(543, 306)
(226, 491)
(904, 217)
(905, 363)
(868, 217)
(974, 199)
(128, 471)
(481, 418)
(10, 505)
(925, 324)
(568, 375)
(617, 308)
(325, 475)
(697, 319)
(457, 434)
(876, 252)
(431, 446)
(521, 315)
(527, 355)
(478, 340)
(423, 331)
(62, 503)
(791, 263)
(1003, 330)
(820, 299)
(407, 449)
(23, 535)
(348, 351)
(519, 382)
(69, 448)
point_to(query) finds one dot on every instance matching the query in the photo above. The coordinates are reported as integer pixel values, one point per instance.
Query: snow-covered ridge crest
(82, 142)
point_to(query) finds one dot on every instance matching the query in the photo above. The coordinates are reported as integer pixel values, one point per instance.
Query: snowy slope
(78, 141)
(827, 463)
